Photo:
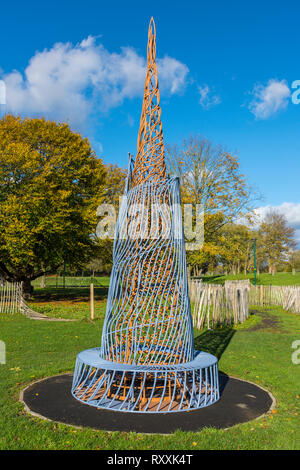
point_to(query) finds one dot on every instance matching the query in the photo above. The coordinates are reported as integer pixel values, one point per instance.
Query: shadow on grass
(211, 279)
(69, 294)
(214, 341)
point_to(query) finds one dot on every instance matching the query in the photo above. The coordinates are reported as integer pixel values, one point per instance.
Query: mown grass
(103, 281)
(70, 303)
(72, 281)
(37, 349)
(279, 279)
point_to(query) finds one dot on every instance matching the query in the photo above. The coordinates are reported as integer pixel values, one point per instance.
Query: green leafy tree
(277, 238)
(51, 183)
(116, 177)
(103, 260)
(235, 247)
(294, 260)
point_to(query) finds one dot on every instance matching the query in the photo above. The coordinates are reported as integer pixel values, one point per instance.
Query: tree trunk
(27, 288)
(204, 268)
(43, 281)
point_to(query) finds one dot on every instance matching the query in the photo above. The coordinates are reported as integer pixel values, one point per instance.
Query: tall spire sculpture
(150, 158)
(147, 362)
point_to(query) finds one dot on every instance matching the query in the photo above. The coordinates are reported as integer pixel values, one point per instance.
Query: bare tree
(211, 176)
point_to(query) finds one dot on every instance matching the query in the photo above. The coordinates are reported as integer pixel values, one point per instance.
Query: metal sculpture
(150, 158)
(147, 362)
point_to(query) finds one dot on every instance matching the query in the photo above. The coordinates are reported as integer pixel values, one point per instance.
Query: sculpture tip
(152, 26)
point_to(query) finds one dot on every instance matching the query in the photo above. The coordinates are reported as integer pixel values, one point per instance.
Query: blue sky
(226, 71)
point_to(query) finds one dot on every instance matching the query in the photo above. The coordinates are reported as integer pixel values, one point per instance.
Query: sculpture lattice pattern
(147, 361)
(150, 161)
(148, 318)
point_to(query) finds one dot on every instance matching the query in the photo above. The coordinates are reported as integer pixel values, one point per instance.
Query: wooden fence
(10, 297)
(12, 300)
(288, 297)
(211, 303)
(216, 304)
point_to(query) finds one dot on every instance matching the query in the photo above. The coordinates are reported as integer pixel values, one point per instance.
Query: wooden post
(261, 295)
(92, 302)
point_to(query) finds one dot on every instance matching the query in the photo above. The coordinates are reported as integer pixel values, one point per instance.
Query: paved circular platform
(240, 402)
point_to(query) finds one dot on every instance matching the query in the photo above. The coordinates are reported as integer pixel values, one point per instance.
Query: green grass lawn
(37, 349)
(279, 279)
(285, 279)
(71, 302)
(72, 281)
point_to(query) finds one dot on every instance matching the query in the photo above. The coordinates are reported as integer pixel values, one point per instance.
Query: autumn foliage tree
(236, 247)
(277, 238)
(103, 255)
(51, 183)
(116, 177)
(294, 260)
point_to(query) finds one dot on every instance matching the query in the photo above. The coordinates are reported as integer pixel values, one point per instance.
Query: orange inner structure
(118, 390)
(150, 158)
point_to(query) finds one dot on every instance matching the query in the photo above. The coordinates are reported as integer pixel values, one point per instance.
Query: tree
(103, 260)
(116, 177)
(51, 183)
(294, 260)
(103, 257)
(277, 238)
(260, 252)
(235, 247)
(210, 176)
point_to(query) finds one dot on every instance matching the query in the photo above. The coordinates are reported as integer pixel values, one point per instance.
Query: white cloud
(291, 210)
(70, 82)
(2, 92)
(207, 98)
(172, 74)
(269, 99)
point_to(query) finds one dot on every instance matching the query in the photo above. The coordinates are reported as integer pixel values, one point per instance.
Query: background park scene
(70, 107)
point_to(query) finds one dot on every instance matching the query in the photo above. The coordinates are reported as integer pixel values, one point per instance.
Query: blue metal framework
(142, 389)
(148, 317)
(147, 362)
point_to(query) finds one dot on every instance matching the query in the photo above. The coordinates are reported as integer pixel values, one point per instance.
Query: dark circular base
(240, 402)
